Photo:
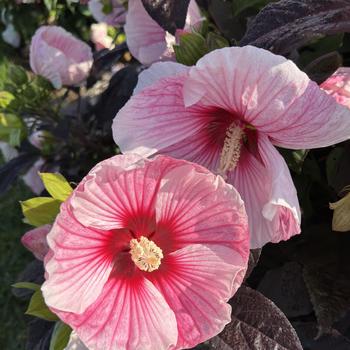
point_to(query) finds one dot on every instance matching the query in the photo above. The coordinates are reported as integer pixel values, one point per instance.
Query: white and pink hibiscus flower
(99, 36)
(338, 86)
(145, 255)
(227, 113)
(60, 57)
(35, 241)
(115, 14)
(146, 39)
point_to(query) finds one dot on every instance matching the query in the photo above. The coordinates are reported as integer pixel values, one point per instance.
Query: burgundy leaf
(169, 14)
(256, 324)
(287, 25)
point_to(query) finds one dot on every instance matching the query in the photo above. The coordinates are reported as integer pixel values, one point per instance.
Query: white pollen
(231, 150)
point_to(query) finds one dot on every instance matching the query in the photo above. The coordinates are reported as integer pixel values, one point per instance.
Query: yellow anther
(145, 254)
(231, 150)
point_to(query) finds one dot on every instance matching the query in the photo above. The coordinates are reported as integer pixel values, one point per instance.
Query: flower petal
(270, 93)
(338, 86)
(157, 71)
(115, 18)
(130, 314)
(145, 38)
(80, 265)
(156, 118)
(113, 198)
(197, 283)
(60, 57)
(35, 241)
(201, 209)
(269, 194)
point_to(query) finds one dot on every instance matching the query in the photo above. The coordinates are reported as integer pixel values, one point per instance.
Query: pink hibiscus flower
(145, 255)
(227, 113)
(35, 241)
(338, 86)
(59, 57)
(116, 17)
(147, 41)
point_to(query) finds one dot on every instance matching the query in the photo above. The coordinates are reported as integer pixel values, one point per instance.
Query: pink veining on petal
(262, 96)
(94, 277)
(35, 241)
(59, 57)
(147, 41)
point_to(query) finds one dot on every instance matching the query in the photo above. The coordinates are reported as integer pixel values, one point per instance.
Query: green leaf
(60, 336)
(294, 159)
(18, 75)
(56, 185)
(40, 210)
(50, 4)
(27, 285)
(11, 129)
(191, 48)
(216, 41)
(38, 308)
(5, 98)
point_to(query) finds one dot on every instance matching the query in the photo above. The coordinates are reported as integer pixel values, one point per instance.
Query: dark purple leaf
(39, 334)
(286, 288)
(256, 324)
(10, 170)
(34, 273)
(325, 256)
(287, 25)
(254, 256)
(307, 332)
(169, 14)
(120, 88)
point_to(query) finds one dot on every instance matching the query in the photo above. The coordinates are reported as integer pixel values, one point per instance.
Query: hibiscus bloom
(35, 241)
(115, 17)
(227, 113)
(59, 57)
(146, 39)
(145, 255)
(338, 86)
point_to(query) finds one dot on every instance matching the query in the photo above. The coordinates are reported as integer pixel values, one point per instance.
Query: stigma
(145, 254)
(231, 150)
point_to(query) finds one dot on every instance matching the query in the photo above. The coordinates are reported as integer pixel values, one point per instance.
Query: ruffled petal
(197, 283)
(79, 265)
(270, 93)
(156, 118)
(145, 38)
(114, 199)
(270, 197)
(200, 209)
(338, 86)
(35, 241)
(157, 71)
(59, 56)
(130, 314)
(193, 16)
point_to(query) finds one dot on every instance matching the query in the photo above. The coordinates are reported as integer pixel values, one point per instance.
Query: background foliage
(306, 277)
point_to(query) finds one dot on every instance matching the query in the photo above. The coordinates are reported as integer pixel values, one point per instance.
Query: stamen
(231, 150)
(145, 254)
